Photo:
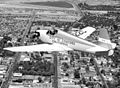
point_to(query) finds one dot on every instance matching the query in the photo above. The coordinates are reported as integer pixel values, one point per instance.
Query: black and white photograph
(59, 43)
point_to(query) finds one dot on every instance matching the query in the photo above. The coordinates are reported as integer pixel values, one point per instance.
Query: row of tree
(85, 6)
(35, 68)
(92, 20)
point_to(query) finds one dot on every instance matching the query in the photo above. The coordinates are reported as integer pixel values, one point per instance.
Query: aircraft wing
(85, 32)
(38, 48)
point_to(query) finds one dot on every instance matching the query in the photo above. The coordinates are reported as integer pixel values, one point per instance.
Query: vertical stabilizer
(104, 39)
(104, 35)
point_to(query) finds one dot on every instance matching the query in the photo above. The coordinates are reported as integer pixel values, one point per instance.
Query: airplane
(58, 40)
(82, 33)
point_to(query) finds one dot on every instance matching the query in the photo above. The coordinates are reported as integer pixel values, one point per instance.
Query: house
(70, 86)
(24, 57)
(67, 81)
(2, 72)
(1, 76)
(17, 74)
(35, 81)
(3, 67)
(1, 58)
(48, 57)
(65, 59)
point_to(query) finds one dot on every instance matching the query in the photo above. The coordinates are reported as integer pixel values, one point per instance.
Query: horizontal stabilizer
(85, 32)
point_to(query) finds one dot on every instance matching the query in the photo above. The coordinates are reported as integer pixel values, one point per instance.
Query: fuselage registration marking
(56, 39)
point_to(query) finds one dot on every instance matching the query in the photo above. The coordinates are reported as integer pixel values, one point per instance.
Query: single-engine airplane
(58, 40)
(82, 33)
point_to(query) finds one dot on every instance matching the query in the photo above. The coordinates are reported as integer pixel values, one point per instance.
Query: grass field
(55, 4)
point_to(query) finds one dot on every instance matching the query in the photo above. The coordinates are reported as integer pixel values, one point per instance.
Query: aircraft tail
(104, 41)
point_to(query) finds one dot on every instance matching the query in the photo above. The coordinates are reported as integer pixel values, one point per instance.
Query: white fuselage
(71, 41)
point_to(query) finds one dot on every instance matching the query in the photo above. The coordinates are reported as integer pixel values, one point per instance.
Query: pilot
(52, 30)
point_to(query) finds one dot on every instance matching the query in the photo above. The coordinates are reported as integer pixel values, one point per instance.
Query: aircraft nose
(37, 34)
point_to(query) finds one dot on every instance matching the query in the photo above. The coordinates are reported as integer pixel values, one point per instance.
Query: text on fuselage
(56, 39)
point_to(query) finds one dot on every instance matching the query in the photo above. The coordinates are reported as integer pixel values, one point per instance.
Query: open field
(55, 4)
(90, 2)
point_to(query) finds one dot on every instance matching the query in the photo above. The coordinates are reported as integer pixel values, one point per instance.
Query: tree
(0, 82)
(76, 74)
(77, 56)
(8, 53)
(40, 80)
(66, 74)
(65, 65)
(32, 72)
(87, 69)
(52, 71)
